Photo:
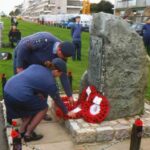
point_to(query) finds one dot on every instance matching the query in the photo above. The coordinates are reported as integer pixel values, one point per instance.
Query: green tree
(11, 13)
(17, 12)
(102, 6)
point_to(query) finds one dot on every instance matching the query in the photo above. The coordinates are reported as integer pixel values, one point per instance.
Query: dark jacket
(76, 30)
(36, 49)
(14, 35)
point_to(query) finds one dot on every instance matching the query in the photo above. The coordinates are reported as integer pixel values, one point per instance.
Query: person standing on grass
(76, 31)
(14, 36)
(39, 48)
(146, 35)
(22, 99)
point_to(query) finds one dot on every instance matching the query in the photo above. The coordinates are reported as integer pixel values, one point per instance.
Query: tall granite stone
(117, 65)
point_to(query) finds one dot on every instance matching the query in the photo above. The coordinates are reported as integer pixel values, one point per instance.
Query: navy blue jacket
(35, 79)
(76, 31)
(35, 49)
(146, 29)
(146, 34)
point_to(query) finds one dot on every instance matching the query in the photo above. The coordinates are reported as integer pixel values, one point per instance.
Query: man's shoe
(47, 117)
(33, 137)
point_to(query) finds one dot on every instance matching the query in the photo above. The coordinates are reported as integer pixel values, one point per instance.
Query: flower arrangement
(92, 106)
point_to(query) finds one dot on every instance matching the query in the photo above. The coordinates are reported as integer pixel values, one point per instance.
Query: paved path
(3, 141)
(57, 137)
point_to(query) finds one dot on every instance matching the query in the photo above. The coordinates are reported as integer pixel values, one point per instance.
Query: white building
(34, 8)
(137, 6)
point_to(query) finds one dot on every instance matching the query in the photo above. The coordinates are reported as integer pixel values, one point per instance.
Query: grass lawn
(27, 28)
(77, 67)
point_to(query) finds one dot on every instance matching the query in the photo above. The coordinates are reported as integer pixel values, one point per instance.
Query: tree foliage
(15, 13)
(102, 6)
(11, 13)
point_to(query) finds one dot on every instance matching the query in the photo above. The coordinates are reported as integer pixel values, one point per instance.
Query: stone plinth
(117, 65)
(116, 130)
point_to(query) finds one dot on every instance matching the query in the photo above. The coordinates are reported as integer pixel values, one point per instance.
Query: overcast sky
(8, 5)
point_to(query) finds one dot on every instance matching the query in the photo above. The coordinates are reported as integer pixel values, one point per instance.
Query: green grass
(27, 28)
(76, 67)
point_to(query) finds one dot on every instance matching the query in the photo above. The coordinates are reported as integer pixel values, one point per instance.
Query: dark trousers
(146, 39)
(13, 43)
(77, 54)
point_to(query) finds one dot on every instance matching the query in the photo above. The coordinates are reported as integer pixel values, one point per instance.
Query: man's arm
(66, 84)
(20, 54)
(53, 92)
(67, 87)
(72, 30)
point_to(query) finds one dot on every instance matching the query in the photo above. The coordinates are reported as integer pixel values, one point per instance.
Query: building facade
(136, 6)
(40, 7)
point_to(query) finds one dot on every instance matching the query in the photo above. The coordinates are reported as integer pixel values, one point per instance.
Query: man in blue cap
(39, 48)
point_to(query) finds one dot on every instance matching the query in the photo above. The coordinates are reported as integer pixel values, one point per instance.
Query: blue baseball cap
(67, 48)
(60, 64)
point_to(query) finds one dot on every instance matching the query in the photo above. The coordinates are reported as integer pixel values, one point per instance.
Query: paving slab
(53, 132)
(124, 145)
(67, 145)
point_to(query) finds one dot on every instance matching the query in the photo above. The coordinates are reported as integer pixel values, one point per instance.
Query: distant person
(42, 21)
(39, 48)
(14, 21)
(76, 31)
(22, 99)
(146, 35)
(14, 36)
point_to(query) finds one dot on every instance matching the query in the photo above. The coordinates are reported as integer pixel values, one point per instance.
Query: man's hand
(71, 100)
(71, 114)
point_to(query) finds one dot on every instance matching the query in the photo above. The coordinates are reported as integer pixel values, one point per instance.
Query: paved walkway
(57, 137)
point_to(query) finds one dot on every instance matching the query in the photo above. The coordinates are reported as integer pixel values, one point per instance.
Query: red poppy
(70, 107)
(138, 123)
(14, 123)
(14, 134)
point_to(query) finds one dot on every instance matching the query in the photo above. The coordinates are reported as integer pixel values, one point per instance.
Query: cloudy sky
(8, 5)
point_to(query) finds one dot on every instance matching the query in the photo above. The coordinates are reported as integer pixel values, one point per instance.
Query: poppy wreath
(93, 106)
(95, 113)
(70, 107)
(84, 96)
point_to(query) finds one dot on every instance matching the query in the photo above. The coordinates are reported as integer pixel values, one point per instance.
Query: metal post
(17, 145)
(136, 135)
